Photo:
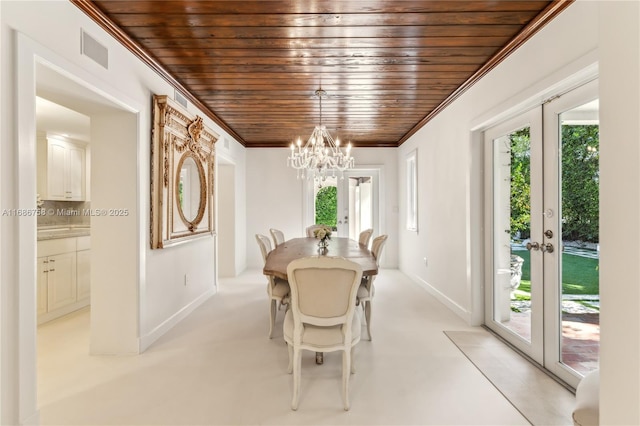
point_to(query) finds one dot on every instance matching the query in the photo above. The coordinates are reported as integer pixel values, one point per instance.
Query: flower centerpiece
(323, 235)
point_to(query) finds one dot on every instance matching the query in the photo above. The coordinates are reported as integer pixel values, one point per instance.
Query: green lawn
(579, 274)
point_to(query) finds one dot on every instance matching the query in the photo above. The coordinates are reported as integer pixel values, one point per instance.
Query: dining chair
(312, 228)
(277, 235)
(367, 289)
(322, 316)
(277, 288)
(365, 237)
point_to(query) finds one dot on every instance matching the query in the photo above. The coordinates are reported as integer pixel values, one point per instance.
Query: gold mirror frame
(177, 135)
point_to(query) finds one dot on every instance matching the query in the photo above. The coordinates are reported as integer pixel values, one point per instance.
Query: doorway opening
(347, 204)
(112, 139)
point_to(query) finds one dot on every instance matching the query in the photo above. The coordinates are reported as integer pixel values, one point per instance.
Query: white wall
(619, 45)
(114, 238)
(227, 223)
(154, 277)
(275, 197)
(446, 187)
(450, 200)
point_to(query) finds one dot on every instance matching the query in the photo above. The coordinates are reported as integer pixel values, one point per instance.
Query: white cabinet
(61, 280)
(61, 169)
(63, 276)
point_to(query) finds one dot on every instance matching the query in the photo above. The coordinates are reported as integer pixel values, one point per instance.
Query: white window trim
(412, 190)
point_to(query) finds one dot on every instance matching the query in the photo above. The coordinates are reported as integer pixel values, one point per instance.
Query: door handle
(533, 246)
(547, 248)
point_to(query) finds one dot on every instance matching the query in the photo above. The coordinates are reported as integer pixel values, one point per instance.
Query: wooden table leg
(319, 358)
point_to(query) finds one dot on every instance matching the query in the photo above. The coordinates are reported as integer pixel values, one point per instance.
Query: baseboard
(453, 306)
(148, 339)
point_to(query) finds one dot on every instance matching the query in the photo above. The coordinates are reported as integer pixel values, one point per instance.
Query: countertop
(56, 232)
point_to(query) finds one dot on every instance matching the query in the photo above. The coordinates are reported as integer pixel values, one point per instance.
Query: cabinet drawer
(84, 243)
(58, 246)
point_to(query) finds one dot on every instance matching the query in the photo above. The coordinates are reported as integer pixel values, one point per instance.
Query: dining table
(279, 258)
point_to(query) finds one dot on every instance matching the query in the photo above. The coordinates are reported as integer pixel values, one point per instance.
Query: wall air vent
(90, 47)
(180, 99)
(226, 143)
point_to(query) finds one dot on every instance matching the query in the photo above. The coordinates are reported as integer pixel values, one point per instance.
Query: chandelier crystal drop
(321, 156)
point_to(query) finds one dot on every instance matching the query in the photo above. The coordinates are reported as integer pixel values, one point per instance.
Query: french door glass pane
(580, 310)
(326, 203)
(511, 217)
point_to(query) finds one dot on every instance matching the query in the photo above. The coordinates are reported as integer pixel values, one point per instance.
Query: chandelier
(321, 156)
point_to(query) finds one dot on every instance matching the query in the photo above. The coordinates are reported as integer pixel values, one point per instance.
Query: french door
(542, 233)
(356, 201)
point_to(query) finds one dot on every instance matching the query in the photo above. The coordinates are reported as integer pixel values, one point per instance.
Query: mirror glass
(188, 194)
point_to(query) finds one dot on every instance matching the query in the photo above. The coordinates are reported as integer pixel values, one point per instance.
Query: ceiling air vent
(180, 99)
(90, 47)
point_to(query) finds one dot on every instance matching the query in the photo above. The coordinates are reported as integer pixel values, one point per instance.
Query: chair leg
(272, 317)
(297, 365)
(367, 314)
(290, 366)
(346, 373)
(353, 364)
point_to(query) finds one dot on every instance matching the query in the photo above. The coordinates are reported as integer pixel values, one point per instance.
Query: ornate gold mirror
(182, 175)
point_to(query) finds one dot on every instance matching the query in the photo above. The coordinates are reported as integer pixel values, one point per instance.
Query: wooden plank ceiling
(387, 66)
